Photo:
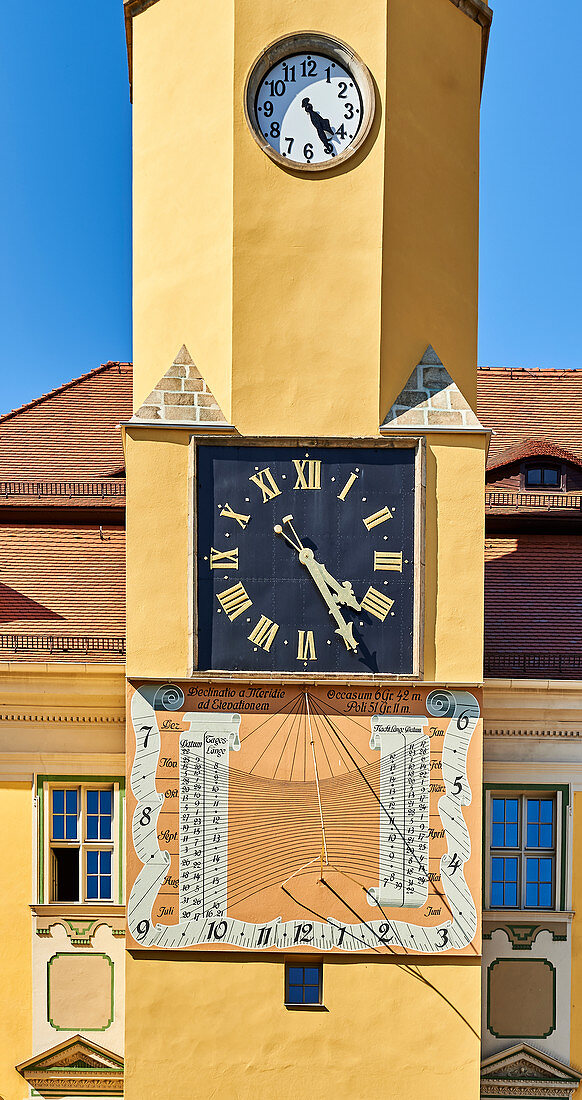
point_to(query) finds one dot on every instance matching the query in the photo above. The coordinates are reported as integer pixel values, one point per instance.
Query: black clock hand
(322, 126)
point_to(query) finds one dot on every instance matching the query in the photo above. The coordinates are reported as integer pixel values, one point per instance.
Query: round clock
(309, 101)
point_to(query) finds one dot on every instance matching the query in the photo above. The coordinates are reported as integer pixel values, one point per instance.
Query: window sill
(80, 920)
(528, 916)
(305, 1008)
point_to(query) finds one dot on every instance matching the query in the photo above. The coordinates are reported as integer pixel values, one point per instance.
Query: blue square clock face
(306, 559)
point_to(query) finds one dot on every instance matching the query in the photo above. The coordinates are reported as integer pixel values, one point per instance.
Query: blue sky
(65, 192)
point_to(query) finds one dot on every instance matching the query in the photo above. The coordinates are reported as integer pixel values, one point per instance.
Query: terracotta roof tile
(520, 403)
(62, 581)
(533, 594)
(531, 448)
(71, 432)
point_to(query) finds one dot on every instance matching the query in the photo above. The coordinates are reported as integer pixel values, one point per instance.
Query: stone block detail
(182, 394)
(430, 398)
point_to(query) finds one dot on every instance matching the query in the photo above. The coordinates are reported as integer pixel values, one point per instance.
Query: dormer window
(543, 476)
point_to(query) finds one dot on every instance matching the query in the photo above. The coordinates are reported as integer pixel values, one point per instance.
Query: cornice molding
(558, 733)
(477, 10)
(80, 923)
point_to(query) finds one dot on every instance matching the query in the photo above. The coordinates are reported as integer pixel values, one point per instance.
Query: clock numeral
(342, 496)
(376, 603)
(240, 519)
(313, 480)
(388, 561)
(263, 633)
(289, 144)
(376, 518)
(306, 646)
(223, 559)
(267, 484)
(234, 600)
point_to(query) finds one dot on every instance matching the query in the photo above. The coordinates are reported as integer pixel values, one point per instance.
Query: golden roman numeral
(267, 484)
(223, 559)
(240, 519)
(342, 496)
(376, 518)
(264, 632)
(386, 560)
(376, 603)
(234, 600)
(305, 646)
(313, 473)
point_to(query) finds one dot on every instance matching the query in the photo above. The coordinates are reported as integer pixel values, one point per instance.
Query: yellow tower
(305, 531)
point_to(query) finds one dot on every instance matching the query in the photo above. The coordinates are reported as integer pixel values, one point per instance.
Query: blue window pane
(546, 836)
(311, 994)
(545, 870)
(92, 863)
(533, 809)
(547, 811)
(498, 809)
(311, 975)
(58, 826)
(295, 975)
(295, 994)
(105, 802)
(105, 863)
(545, 895)
(497, 894)
(533, 836)
(511, 895)
(105, 886)
(497, 834)
(511, 870)
(531, 894)
(92, 828)
(71, 827)
(71, 802)
(511, 806)
(511, 836)
(58, 802)
(532, 870)
(92, 887)
(92, 802)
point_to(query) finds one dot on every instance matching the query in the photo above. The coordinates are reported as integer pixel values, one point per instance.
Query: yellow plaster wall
(15, 935)
(576, 973)
(389, 1031)
(307, 299)
(159, 593)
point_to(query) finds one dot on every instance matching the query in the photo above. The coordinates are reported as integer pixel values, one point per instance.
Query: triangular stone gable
(430, 398)
(182, 394)
(526, 1072)
(75, 1066)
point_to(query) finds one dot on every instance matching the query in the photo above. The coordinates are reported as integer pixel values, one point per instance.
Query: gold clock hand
(325, 583)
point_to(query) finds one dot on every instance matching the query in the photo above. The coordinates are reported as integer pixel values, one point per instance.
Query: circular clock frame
(332, 48)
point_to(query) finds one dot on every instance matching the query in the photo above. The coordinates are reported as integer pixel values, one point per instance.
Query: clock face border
(415, 443)
(335, 50)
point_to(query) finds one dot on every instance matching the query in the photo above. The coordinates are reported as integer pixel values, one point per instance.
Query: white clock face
(309, 108)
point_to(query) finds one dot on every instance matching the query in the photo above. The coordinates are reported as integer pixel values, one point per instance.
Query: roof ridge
(60, 389)
(532, 370)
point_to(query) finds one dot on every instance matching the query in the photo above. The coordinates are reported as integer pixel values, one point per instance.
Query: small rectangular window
(522, 854)
(303, 984)
(548, 477)
(81, 846)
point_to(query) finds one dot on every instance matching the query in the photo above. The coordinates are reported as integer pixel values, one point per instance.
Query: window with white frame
(524, 830)
(82, 854)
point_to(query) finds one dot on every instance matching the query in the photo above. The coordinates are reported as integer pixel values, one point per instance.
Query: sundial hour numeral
(224, 559)
(263, 633)
(342, 496)
(306, 646)
(376, 603)
(266, 483)
(241, 519)
(387, 561)
(234, 600)
(376, 518)
(313, 479)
